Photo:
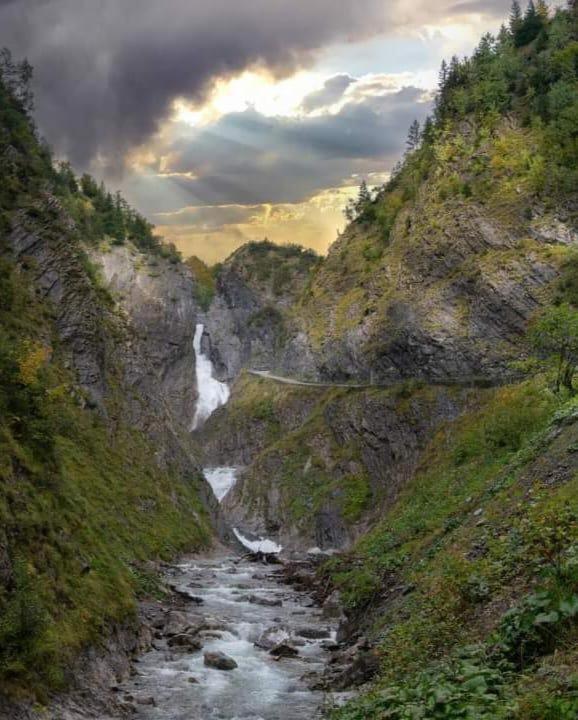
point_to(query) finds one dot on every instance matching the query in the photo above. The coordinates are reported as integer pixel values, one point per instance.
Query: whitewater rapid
(173, 683)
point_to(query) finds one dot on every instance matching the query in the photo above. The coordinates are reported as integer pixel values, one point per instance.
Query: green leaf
(547, 618)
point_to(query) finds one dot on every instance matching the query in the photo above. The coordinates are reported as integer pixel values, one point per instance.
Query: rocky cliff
(319, 465)
(251, 318)
(157, 297)
(98, 479)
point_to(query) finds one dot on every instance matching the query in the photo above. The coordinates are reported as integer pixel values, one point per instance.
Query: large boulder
(219, 661)
(273, 637)
(177, 623)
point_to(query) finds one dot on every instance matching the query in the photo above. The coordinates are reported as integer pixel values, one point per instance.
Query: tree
(65, 178)
(531, 26)
(17, 78)
(504, 37)
(443, 74)
(554, 336)
(355, 208)
(515, 18)
(428, 132)
(413, 137)
(88, 186)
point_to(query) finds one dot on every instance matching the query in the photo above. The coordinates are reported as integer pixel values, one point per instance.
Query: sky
(234, 120)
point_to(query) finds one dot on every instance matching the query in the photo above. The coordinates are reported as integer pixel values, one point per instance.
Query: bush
(532, 629)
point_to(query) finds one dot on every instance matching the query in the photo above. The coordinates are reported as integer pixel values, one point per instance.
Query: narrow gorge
(295, 485)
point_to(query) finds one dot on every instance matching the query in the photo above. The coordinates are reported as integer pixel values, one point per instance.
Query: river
(261, 687)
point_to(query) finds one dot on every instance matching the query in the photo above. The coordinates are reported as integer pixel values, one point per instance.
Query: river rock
(213, 623)
(219, 661)
(284, 650)
(332, 607)
(185, 642)
(330, 646)
(266, 602)
(273, 637)
(176, 623)
(313, 633)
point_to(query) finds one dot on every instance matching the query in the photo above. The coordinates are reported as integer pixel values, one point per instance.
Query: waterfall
(221, 479)
(212, 393)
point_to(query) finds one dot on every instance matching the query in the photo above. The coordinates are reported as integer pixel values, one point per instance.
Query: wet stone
(220, 661)
(313, 633)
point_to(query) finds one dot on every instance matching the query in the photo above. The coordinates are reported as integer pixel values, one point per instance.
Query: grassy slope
(83, 503)
(502, 148)
(489, 518)
(469, 583)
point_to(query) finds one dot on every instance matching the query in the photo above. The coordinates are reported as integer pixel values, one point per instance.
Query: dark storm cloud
(247, 158)
(107, 72)
(329, 94)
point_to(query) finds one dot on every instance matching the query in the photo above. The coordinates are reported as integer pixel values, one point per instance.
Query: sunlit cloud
(231, 131)
(212, 232)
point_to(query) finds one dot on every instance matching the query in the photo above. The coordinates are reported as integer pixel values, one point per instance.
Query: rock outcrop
(114, 364)
(158, 299)
(339, 462)
(250, 317)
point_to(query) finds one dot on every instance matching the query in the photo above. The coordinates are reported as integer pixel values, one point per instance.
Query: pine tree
(88, 186)
(515, 18)
(364, 195)
(17, 77)
(504, 37)
(413, 137)
(428, 130)
(355, 208)
(443, 74)
(531, 26)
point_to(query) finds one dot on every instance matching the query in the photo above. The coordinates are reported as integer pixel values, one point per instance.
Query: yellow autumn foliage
(34, 357)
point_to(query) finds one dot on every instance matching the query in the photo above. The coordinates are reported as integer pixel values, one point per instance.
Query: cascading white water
(262, 545)
(212, 393)
(221, 480)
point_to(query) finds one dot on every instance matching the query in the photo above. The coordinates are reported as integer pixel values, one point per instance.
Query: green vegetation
(529, 71)
(468, 584)
(501, 145)
(98, 214)
(554, 335)
(479, 528)
(205, 283)
(84, 505)
(276, 270)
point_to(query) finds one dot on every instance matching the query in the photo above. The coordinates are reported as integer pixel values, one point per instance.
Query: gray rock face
(96, 671)
(245, 329)
(121, 369)
(249, 320)
(157, 297)
(388, 435)
(449, 303)
(110, 360)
